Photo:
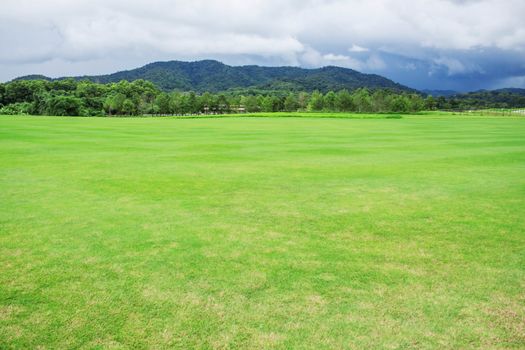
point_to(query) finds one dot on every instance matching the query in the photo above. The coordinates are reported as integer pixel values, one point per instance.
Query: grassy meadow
(262, 233)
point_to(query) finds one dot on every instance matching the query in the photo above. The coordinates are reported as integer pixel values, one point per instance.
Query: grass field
(254, 233)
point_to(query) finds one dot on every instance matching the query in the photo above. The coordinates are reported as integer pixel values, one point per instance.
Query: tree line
(70, 97)
(503, 98)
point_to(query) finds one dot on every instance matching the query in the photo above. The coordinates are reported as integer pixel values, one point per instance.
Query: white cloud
(335, 58)
(311, 58)
(259, 27)
(357, 48)
(350, 33)
(343, 61)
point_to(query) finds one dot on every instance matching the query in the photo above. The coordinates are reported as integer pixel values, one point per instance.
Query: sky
(461, 45)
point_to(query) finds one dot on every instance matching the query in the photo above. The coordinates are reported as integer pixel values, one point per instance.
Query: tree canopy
(85, 98)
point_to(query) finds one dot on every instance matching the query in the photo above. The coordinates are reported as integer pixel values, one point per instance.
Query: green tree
(400, 103)
(22, 91)
(92, 96)
(416, 103)
(267, 104)
(344, 101)
(2, 94)
(163, 103)
(113, 103)
(329, 101)
(64, 106)
(302, 100)
(316, 102)
(128, 107)
(175, 102)
(361, 99)
(380, 101)
(250, 103)
(65, 85)
(18, 108)
(290, 103)
(430, 103)
(192, 103)
(223, 104)
(206, 101)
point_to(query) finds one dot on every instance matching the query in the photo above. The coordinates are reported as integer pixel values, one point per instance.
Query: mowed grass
(262, 233)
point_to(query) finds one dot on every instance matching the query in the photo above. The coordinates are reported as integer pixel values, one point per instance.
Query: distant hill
(516, 91)
(488, 94)
(492, 93)
(214, 76)
(34, 77)
(500, 98)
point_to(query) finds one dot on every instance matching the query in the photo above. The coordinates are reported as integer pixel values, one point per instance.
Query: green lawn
(253, 233)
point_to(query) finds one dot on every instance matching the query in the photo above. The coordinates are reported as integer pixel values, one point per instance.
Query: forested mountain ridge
(214, 76)
(500, 98)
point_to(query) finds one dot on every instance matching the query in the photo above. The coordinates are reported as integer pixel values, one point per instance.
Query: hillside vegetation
(73, 98)
(213, 76)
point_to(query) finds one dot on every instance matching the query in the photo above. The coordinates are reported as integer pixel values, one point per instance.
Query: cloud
(313, 58)
(376, 63)
(433, 39)
(357, 48)
(343, 61)
(456, 67)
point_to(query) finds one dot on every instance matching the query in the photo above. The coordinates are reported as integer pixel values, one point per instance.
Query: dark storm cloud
(425, 44)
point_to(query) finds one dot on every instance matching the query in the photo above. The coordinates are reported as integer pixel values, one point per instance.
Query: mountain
(488, 94)
(501, 98)
(34, 77)
(516, 91)
(214, 76)
(492, 94)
